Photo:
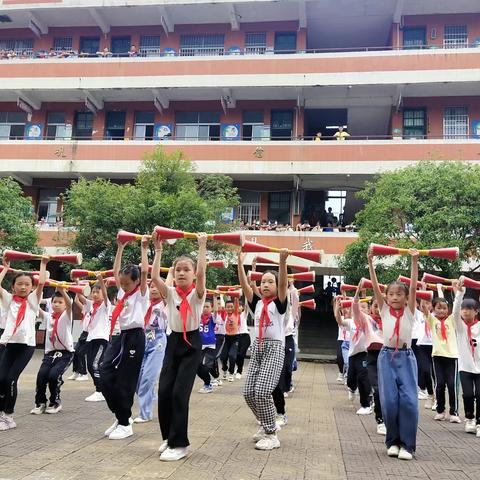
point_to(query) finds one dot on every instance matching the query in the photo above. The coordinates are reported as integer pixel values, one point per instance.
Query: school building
(255, 89)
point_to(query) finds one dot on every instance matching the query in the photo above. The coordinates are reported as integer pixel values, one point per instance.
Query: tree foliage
(431, 204)
(165, 192)
(17, 223)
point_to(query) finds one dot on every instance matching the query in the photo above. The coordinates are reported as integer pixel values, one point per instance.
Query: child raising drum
(397, 366)
(21, 308)
(184, 346)
(268, 349)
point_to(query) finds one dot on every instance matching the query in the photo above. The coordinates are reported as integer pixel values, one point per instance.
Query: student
(293, 321)
(206, 368)
(121, 365)
(357, 353)
(468, 339)
(21, 307)
(58, 354)
(243, 341)
(219, 339)
(230, 349)
(184, 346)
(397, 366)
(268, 349)
(80, 356)
(98, 333)
(341, 337)
(445, 355)
(156, 323)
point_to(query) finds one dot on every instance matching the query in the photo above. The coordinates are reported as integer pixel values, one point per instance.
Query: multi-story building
(242, 87)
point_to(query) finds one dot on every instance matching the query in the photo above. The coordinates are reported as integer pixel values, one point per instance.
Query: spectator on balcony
(3, 54)
(24, 54)
(288, 227)
(330, 217)
(317, 137)
(317, 227)
(264, 225)
(105, 53)
(328, 228)
(341, 134)
(12, 54)
(133, 51)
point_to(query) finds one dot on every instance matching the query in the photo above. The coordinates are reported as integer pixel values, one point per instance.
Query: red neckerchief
(398, 314)
(21, 311)
(95, 306)
(56, 318)
(378, 320)
(150, 310)
(264, 317)
(469, 332)
(443, 328)
(185, 308)
(205, 319)
(119, 307)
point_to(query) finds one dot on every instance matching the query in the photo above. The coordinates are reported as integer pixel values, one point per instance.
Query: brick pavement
(324, 440)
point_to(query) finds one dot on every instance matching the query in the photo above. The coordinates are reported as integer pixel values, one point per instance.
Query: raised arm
(357, 315)
(169, 279)
(200, 283)
(6, 266)
(80, 300)
(373, 277)
(283, 275)
(103, 288)
(412, 298)
(42, 277)
(117, 264)
(459, 290)
(242, 277)
(67, 300)
(336, 311)
(156, 278)
(144, 265)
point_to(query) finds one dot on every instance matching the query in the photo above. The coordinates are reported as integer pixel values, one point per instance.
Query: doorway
(324, 120)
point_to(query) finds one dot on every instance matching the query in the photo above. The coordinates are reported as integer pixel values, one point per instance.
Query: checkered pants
(264, 371)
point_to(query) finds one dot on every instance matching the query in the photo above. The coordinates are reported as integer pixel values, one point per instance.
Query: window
(12, 125)
(249, 209)
(18, 45)
(144, 124)
(455, 36)
(197, 125)
(150, 45)
(282, 124)
(414, 37)
(115, 125)
(414, 123)
(255, 43)
(47, 206)
(252, 125)
(121, 46)
(83, 126)
(455, 122)
(90, 45)
(62, 43)
(336, 201)
(56, 127)
(194, 45)
(285, 42)
(279, 207)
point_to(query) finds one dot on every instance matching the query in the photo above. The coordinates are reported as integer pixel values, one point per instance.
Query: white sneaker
(259, 435)
(269, 442)
(364, 411)
(238, 376)
(224, 375)
(478, 431)
(114, 425)
(7, 422)
(121, 432)
(163, 447)
(440, 417)
(404, 454)
(351, 395)
(141, 420)
(340, 378)
(285, 394)
(422, 395)
(381, 429)
(216, 382)
(231, 378)
(95, 397)
(470, 425)
(281, 420)
(74, 376)
(51, 409)
(434, 406)
(82, 378)
(430, 401)
(38, 409)
(455, 419)
(292, 389)
(393, 451)
(173, 454)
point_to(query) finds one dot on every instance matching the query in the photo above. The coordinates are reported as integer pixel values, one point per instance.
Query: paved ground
(324, 440)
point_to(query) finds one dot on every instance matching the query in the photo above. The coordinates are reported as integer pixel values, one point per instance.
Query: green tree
(165, 192)
(17, 223)
(431, 204)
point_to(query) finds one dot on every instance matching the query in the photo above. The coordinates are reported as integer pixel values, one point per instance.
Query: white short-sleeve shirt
(173, 302)
(98, 326)
(63, 340)
(134, 310)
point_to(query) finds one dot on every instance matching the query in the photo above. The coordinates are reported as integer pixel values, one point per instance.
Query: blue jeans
(397, 384)
(345, 348)
(155, 344)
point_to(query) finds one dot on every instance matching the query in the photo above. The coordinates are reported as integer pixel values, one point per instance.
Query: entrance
(324, 120)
